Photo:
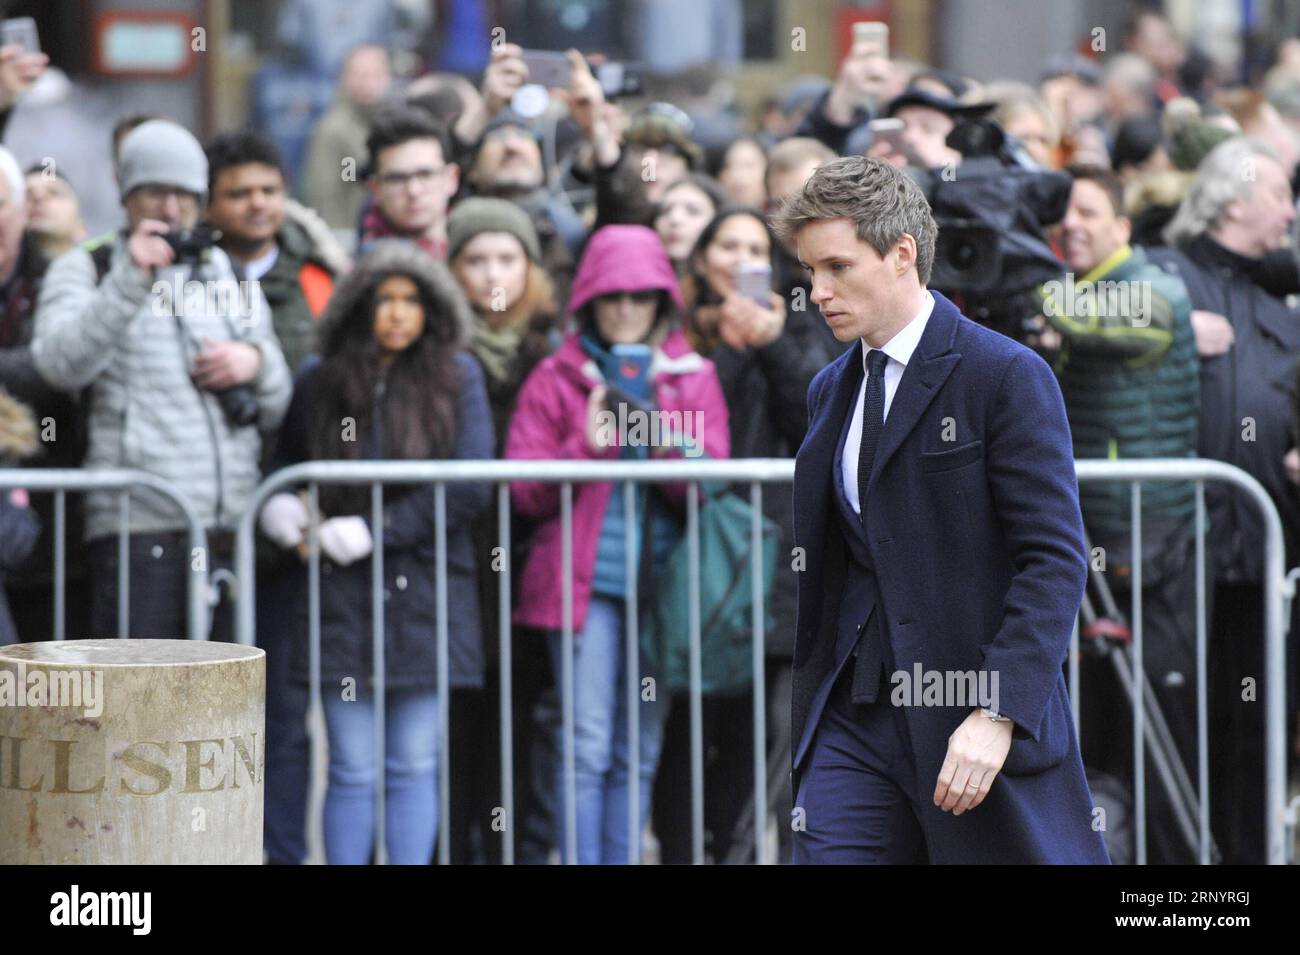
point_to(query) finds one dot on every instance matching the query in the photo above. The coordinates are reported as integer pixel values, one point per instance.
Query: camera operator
(991, 202)
(178, 384)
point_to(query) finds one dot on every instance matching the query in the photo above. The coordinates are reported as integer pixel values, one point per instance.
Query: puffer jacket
(1130, 384)
(123, 338)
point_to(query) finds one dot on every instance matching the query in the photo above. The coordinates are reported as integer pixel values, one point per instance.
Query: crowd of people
(460, 280)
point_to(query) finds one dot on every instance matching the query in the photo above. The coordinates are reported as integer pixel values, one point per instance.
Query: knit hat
(164, 154)
(663, 126)
(470, 217)
(1192, 143)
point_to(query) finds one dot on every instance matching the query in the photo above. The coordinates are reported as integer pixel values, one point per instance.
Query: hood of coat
(623, 258)
(308, 236)
(17, 429)
(396, 257)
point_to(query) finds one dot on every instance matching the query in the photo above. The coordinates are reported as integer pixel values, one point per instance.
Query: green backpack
(725, 589)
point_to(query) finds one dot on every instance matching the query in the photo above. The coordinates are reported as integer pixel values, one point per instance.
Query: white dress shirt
(898, 352)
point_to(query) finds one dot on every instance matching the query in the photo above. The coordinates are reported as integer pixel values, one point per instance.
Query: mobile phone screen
(20, 31)
(872, 31)
(630, 371)
(755, 282)
(547, 68)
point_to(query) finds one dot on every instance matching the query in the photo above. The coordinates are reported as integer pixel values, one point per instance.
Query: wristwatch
(994, 715)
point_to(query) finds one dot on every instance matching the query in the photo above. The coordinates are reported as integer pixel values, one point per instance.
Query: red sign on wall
(880, 11)
(146, 44)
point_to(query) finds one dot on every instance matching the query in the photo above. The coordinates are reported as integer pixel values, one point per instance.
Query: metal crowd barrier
(62, 480)
(566, 473)
(755, 472)
(1278, 591)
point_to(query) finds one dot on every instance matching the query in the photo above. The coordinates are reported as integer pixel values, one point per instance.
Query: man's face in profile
(852, 285)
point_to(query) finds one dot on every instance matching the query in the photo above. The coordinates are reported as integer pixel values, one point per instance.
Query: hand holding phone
(873, 33)
(20, 32)
(754, 281)
(888, 143)
(629, 370)
(21, 59)
(547, 68)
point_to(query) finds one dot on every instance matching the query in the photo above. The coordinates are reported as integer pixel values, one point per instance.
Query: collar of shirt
(904, 342)
(254, 269)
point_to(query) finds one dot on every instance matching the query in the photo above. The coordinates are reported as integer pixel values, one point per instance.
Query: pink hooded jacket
(550, 422)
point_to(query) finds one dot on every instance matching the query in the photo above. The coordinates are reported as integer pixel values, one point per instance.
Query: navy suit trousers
(858, 791)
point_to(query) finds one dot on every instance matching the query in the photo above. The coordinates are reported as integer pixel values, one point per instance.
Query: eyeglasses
(156, 192)
(398, 181)
(642, 297)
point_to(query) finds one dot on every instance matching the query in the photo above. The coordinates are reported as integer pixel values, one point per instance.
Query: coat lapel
(931, 364)
(812, 464)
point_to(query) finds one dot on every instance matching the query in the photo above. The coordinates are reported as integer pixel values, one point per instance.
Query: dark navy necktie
(873, 420)
(869, 652)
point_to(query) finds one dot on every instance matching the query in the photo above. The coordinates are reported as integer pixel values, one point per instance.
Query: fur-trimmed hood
(17, 429)
(317, 238)
(384, 259)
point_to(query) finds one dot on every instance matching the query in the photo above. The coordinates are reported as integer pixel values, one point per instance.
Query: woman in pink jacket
(626, 303)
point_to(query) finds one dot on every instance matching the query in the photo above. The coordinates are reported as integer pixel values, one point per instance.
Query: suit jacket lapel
(931, 364)
(813, 481)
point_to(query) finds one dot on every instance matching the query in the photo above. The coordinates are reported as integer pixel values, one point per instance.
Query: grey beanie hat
(471, 217)
(162, 153)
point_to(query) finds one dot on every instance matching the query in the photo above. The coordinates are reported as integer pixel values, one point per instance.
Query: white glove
(284, 520)
(346, 539)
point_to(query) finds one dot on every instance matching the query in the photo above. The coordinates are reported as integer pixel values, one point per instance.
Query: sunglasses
(643, 297)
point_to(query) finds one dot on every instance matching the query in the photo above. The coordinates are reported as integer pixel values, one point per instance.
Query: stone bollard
(131, 752)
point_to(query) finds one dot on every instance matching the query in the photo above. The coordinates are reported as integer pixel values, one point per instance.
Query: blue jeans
(600, 725)
(410, 780)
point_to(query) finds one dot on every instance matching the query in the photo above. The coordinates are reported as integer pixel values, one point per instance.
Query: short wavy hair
(884, 203)
(1220, 179)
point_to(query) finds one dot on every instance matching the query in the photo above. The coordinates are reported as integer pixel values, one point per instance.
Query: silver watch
(994, 715)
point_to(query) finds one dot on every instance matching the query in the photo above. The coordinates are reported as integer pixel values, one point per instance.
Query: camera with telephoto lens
(991, 249)
(188, 245)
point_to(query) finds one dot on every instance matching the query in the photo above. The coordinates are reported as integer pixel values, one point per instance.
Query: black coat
(1254, 380)
(410, 595)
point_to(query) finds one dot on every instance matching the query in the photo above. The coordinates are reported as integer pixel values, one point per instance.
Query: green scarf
(496, 349)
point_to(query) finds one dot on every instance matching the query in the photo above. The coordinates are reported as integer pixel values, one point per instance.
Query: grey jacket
(132, 341)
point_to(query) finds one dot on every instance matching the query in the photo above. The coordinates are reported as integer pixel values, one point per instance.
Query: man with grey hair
(1237, 211)
(937, 513)
(182, 367)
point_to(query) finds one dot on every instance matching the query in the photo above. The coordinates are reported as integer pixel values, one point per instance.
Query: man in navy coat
(930, 718)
